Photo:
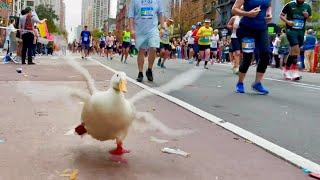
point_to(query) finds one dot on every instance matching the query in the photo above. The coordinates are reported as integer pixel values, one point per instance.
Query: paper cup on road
(19, 70)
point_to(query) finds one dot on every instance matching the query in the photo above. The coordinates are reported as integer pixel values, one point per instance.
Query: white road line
(294, 83)
(263, 143)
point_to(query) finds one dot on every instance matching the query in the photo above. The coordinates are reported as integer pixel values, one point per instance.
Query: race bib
(248, 45)
(147, 12)
(205, 39)
(85, 38)
(298, 24)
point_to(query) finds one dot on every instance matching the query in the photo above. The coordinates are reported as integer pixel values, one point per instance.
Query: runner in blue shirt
(85, 42)
(252, 34)
(144, 16)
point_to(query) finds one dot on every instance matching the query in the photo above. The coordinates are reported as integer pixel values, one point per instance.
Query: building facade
(95, 13)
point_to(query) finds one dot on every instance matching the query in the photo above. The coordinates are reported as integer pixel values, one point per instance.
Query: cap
(310, 31)
(193, 27)
(216, 31)
(207, 20)
(199, 24)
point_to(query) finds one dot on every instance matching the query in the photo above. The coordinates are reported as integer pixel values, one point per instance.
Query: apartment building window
(30, 3)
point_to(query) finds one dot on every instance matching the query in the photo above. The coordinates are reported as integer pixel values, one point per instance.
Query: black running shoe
(149, 75)
(140, 77)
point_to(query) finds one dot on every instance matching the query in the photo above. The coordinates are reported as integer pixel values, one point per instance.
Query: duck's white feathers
(108, 115)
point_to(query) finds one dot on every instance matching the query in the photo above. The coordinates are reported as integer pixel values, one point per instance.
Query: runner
(126, 39)
(188, 37)
(204, 34)
(85, 42)
(214, 46)
(295, 14)
(252, 33)
(165, 49)
(196, 41)
(284, 48)
(235, 44)
(143, 19)
(102, 45)
(110, 45)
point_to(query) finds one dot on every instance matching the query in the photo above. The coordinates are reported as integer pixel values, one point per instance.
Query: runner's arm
(309, 19)
(283, 14)
(230, 23)
(237, 10)
(131, 18)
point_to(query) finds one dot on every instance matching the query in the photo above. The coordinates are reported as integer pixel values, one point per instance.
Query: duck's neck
(116, 91)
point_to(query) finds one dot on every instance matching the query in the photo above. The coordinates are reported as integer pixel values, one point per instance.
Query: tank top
(126, 36)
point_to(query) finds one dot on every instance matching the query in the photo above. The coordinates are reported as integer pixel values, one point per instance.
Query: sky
(73, 13)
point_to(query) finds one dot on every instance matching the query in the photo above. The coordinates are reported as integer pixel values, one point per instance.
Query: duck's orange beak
(123, 86)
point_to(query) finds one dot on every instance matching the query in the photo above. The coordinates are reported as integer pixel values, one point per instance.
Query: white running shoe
(295, 75)
(287, 74)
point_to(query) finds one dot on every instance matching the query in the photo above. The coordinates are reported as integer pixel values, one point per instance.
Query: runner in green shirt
(165, 48)
(126, 39)
(295, 14)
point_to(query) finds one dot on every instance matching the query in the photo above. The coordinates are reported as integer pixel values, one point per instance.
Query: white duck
(107, 115)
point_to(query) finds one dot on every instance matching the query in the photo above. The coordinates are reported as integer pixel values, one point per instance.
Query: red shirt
(194, 35)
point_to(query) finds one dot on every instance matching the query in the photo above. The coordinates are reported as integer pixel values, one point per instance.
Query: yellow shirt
(204, 35)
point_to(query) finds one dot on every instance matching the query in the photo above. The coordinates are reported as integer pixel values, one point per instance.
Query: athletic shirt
(110, 41)
(145, 14)
(206, 33)
(189, 37)
(168, 31)
(214, 41)
(294, 13)
(235, 27)
(309, 42)
(259, 22)
(102, 39)
(126, 36)
(85, 35)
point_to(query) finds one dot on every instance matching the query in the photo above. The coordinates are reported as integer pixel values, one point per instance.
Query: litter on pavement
(71, 174)
(175, 151)
(160, 141)
(19, 70)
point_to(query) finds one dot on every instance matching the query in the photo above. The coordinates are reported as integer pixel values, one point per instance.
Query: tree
(97, 33)
(46, 12)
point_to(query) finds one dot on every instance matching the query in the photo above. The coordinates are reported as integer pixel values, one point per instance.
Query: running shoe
(295, 74)
(287, 74)
(206, 67)
(163, 66)
(159, 62)
(240, 87)
(257, 87)
(149, 75)
(140, 77)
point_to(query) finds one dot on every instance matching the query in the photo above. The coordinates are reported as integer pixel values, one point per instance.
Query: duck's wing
(146, 121)
(178, 82)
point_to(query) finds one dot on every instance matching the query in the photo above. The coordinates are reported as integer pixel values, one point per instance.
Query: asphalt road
(288, 116)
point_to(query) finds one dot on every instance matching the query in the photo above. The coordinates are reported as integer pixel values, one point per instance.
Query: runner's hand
(306, 14)
(268, 18)
(290, 23)
(254, 12)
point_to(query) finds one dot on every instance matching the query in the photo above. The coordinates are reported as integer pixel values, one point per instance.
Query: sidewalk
(36, 114)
